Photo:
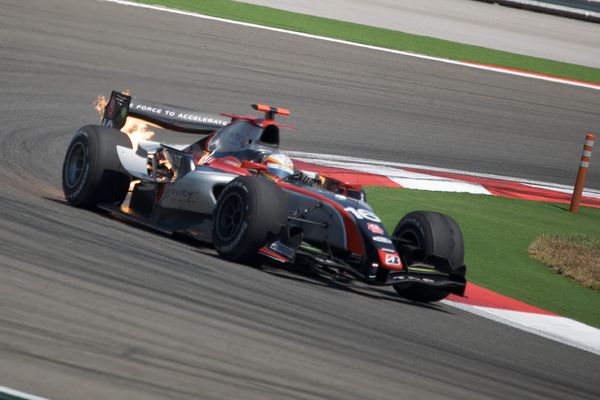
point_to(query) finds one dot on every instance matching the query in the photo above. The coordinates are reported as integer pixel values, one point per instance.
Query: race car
(234, 189)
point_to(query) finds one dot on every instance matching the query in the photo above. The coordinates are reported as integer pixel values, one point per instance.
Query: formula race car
(234, 189)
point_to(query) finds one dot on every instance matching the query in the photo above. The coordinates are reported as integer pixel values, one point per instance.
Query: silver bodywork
(197, 192)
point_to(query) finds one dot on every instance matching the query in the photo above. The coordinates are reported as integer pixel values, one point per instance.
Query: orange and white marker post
(586, 156)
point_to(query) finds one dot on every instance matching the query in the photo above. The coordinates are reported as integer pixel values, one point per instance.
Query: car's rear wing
(120, 106)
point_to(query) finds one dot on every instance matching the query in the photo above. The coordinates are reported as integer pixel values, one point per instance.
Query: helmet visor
(281, 171)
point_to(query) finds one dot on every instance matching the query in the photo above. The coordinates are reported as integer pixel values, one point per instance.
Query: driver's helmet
(279, 166)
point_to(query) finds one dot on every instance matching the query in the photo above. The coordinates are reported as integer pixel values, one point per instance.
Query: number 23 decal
(361, 213)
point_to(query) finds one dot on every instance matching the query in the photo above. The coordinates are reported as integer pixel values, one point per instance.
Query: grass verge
(379, 37)
(497, 234)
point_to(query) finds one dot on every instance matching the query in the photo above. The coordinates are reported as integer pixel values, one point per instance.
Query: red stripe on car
(354, 241)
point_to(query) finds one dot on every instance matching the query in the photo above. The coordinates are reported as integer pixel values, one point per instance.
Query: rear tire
(436, 234)
(248, 211)
(92, 172)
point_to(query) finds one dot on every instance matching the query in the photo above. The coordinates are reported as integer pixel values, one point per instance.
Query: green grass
(497, 234)
(379, 37)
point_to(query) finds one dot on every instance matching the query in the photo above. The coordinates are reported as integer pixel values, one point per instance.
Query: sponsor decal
(232, 163)
(281, 248)
(199, 118)
(362, 213)
(181, 115)
(153, 110)
(382, 239)
(376, 229)
(392, 259)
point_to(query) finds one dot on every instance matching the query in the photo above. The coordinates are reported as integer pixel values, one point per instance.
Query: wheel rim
(76, 161)
(411, 237)
(230, 217)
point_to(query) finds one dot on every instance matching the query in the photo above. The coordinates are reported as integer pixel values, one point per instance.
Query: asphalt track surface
(466, 21)
(93, 308)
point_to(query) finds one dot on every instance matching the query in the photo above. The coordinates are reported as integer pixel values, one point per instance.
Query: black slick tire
(92, 172)
(436, 234)
(248, 211)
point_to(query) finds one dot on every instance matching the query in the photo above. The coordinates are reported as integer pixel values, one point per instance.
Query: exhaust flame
(136, 129)
(99, 105)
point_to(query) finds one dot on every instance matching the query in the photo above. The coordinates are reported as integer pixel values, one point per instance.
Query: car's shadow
(353, 286)
(308, 276)
(290, 272)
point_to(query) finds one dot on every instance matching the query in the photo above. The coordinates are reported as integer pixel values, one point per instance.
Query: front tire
(248, 211)
(92, 172)
(436, 234)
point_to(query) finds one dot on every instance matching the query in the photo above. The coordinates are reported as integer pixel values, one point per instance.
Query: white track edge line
(482, 312)
(492, 68)
(16, 393)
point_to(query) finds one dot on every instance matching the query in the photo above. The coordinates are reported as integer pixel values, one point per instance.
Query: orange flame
(100, 104)
(135, 128)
